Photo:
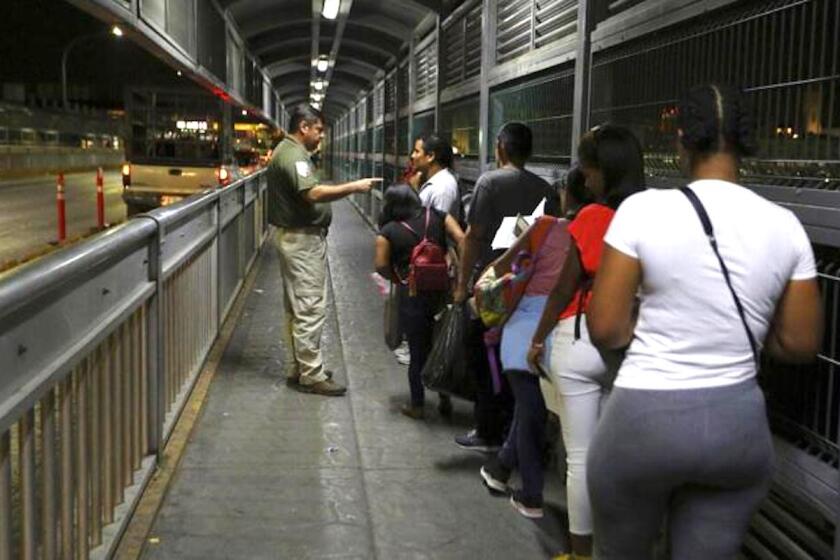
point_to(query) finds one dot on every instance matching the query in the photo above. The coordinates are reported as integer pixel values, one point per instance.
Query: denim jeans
(525, 441)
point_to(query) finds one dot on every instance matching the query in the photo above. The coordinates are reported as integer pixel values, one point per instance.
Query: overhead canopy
(365, 38)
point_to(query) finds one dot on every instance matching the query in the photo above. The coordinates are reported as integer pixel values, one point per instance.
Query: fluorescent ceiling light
(330, 10)
(323, 64)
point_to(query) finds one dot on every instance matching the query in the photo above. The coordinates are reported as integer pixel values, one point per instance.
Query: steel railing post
(240, 229)
(488, 51)
(583, 73)
(155, 347)
(219, 268)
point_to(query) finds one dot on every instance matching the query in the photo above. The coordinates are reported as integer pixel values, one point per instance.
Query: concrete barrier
(22, 161)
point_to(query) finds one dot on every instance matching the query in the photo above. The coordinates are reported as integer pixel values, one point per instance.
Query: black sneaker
(495, 477)
(529, 507)
(472, 441)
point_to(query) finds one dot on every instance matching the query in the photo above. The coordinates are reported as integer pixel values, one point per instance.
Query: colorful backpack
(496, 297)
(428, 271)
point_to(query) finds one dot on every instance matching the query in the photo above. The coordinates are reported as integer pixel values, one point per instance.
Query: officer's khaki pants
(303, 266)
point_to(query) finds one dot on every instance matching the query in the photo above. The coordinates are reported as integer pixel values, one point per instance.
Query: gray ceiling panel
(279, 33)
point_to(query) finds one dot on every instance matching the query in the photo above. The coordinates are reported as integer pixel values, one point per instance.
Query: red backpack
(428, 271)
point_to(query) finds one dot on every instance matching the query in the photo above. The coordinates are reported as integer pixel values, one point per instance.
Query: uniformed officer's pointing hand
(364, 185)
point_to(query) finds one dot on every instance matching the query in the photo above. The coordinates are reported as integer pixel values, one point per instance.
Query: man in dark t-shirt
(503, 192)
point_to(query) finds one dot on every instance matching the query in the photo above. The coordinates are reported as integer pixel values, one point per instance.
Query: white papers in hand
(538, 211)
(506, 234)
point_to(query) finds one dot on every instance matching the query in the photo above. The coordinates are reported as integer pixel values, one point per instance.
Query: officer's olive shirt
(290, 175)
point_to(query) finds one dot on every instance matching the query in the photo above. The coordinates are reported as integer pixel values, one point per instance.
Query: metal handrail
(100, 344)
(27, 283)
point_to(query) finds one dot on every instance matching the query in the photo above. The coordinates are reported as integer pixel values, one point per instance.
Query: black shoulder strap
(583, 290)
(710, 234)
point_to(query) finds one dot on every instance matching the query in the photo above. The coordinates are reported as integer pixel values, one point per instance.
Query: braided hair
(716, 119)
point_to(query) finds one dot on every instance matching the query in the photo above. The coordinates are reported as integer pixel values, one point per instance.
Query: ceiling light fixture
(323, 64)
(330, 10)
(319, 85)
(117, 31)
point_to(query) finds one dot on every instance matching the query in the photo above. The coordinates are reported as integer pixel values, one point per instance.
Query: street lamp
(115, 30)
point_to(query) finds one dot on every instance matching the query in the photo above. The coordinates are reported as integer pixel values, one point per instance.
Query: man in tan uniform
(300, 209)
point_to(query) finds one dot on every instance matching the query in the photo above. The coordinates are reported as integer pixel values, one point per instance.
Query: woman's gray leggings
(701, 459)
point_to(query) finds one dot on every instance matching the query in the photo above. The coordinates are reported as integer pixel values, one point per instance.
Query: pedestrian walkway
(272, 473)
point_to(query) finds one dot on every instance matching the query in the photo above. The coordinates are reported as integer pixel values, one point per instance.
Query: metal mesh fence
(783, 53)
(545, 105)
(804, 401)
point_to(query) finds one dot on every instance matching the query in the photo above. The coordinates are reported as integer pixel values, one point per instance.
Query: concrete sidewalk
(272, 473)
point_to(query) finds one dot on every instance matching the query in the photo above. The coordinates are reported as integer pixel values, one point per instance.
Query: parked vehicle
(178, 143)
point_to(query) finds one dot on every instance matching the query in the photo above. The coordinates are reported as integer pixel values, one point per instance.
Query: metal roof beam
(376, 23)
(283, 48)
(433, 5)
(317, 6)
(350, 65)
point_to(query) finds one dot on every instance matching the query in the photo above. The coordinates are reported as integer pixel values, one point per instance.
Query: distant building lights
(331, 7)
(191, 125)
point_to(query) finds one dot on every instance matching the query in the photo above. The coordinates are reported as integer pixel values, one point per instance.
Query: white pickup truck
(178, 144)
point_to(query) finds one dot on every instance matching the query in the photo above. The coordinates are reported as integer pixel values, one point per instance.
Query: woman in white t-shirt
(685, 436)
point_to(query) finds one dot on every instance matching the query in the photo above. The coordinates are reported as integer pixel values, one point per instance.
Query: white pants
(303, 266)
(582, 379)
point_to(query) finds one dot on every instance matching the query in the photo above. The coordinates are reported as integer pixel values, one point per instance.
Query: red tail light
(126, 175)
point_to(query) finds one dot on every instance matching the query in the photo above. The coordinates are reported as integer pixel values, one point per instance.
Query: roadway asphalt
(28, 216)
